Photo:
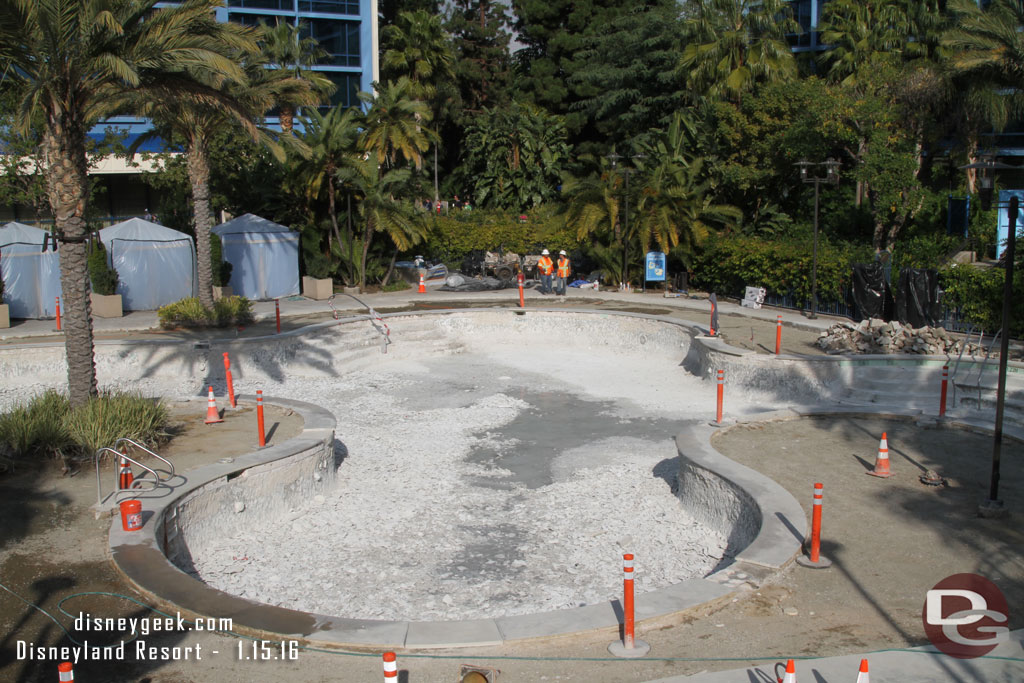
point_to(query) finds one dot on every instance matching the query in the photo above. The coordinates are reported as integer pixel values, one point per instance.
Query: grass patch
(47, 426)
(396, 286)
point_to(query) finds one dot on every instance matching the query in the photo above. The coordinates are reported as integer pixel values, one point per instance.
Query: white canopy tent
(31, 275)
(155, 265)
(264, 257)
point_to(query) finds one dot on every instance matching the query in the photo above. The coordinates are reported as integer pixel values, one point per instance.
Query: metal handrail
(372, 317)
(99, 487)
(125, 439)
(984, 362)
(956, 366)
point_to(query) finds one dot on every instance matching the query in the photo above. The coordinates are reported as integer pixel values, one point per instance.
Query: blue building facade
(345, 29)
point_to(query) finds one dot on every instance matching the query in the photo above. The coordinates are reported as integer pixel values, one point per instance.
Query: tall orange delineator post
(721, 396)
(231, 384)
(390, 668)
(521, 279)
(58, 313)
(125, 478)
(277, 314)
(815, 561)
(945, 384)
(778, 336)
(65, 672)
(629, 646)
(627, 601)
(259, 418)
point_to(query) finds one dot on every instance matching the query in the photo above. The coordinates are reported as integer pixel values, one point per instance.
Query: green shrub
(730, 263)
(46, 425)
(102, 276)
(232, 310)
(396, 286)
(105, 419)
(221, 268)
(977, 294)
(36, 427)
(318, 265)
(185, 313)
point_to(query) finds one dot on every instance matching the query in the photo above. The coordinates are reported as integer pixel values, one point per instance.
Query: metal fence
(952, 319)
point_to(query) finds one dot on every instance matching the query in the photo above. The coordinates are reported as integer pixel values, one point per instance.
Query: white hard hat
(562, 253)
(544, 252)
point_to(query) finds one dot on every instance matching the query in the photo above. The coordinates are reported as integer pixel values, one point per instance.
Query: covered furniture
(31, 275)
(264, 257)
(155, 265)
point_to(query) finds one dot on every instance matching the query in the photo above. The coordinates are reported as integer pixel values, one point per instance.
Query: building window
(339, 38)
(330, 6)
(348, 88)
(287, 5)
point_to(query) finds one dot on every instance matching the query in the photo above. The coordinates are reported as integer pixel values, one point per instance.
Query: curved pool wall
(742, 504)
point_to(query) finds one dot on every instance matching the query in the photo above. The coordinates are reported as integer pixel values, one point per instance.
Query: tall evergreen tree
(479, 29)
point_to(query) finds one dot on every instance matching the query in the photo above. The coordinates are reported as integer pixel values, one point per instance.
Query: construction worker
(562, 273)
(546, 268)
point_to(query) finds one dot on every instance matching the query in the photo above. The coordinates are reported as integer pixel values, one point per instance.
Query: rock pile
(877, 336)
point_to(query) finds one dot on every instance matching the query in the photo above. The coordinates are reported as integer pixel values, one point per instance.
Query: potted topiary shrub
(317, 283)
(105, 302)
(5, 310)
(221, 270)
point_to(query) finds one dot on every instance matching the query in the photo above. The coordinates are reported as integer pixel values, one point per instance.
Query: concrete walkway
(920, 665)
(298, 307)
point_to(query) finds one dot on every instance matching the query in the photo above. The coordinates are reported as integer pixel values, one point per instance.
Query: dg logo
(965, 616)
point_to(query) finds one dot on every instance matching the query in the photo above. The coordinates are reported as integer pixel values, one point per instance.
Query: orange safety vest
(563, 267)
(545, 265)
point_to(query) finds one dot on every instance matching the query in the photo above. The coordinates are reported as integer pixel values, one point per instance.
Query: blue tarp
(155, 265)
(264, 257)
(31, 276)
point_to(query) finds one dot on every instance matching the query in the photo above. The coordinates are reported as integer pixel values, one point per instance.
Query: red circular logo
(965, 616)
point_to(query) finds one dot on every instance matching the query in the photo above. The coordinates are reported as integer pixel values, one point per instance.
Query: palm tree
(196, 120)
(674, 204)
(416, 46)
(332, 139)
(735, 44)
(382, 212)
(74, 63)
(286, 50)
(987, 53)
(593, 210)
(393, 125)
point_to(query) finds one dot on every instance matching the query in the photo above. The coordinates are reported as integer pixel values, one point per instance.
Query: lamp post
(614, 158)
(993, 507)
(832, 178)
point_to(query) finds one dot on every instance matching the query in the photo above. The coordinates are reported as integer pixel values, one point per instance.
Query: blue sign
(655, 271)
(1003, 220)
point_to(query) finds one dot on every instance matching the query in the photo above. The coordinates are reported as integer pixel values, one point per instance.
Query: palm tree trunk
(67, 186)
(391, 269)
(202, 214)
(331, 208)
(366, 249)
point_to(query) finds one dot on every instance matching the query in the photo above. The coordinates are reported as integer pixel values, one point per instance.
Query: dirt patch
(53, 546)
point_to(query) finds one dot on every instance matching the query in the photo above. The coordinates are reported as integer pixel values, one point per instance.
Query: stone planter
(222, 292)
(5, 316)
(106, 306)
(317, 288)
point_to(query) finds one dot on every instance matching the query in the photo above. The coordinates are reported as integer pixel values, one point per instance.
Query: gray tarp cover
(461, 283)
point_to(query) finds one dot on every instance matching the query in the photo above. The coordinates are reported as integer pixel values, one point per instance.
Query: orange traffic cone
(862, 677)
(790, 676)
(212, 415)
(882, 461)
(423, 287)
(124, 475)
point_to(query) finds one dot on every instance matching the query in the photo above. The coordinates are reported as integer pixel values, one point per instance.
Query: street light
(986, 167)
(614, 158)
(832, 178)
